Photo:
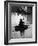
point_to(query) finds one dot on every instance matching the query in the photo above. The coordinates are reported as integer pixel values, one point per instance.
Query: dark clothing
(21, 27)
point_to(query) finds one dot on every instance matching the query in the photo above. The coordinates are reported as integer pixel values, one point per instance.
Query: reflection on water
(27, 33)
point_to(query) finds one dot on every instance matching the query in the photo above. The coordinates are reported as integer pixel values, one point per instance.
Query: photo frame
(29, 10)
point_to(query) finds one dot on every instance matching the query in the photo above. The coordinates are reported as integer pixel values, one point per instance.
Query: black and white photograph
(20, 22)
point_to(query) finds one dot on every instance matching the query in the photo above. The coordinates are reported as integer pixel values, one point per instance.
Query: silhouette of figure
(21, 27)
